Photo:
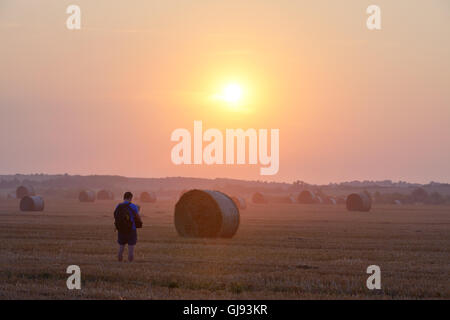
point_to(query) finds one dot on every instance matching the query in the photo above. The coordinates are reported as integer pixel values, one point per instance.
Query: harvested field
(279, 252)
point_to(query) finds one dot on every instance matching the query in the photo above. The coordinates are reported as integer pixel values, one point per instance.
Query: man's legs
(120, 255)
(130, 253)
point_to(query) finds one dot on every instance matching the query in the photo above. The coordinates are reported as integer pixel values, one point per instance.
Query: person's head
(128, 196)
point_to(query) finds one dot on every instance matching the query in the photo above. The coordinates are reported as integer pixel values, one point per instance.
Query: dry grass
(283, 251)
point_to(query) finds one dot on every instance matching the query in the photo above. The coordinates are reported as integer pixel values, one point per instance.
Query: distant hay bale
(32, 203)
(148, 197)
(11, 196)
(398, 202)
(258, 197)
(206, 214)
(105, 195)
(24, 191)
(359, 202)
(239, 202)
(306, 197)
(318, 200)
(86, 196)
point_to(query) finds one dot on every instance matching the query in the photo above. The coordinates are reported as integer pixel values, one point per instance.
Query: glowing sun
(232, 94)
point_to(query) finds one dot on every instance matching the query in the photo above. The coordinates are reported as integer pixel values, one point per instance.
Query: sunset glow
(232, 95)
(315, 72)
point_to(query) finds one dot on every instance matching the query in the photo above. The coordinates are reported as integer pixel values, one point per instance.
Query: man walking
(127, 220)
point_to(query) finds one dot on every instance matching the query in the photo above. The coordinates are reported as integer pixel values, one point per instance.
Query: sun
(231, 94)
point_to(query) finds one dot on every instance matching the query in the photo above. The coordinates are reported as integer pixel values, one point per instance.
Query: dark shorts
(127, 238)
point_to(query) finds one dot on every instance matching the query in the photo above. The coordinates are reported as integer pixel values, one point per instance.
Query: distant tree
(320, 193)
(436, 198)
(297, 185)
(419, 195)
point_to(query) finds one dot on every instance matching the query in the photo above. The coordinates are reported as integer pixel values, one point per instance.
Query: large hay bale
(148, 197)
(105, 195)
(206, 214)
(258, 197)
(86, 196)
(306, 197)
(11, 196)
(239, 202)
(359, 202)
(33, 203)
(24, 191)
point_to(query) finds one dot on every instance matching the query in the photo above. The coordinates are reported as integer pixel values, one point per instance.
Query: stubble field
(281, 251)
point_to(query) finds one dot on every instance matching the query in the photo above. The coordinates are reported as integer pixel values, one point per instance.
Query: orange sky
(350, 103)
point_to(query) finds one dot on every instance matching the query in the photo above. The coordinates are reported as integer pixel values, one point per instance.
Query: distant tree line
(418, 195)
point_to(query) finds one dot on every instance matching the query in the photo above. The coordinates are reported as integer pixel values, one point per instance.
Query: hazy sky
(350, 103)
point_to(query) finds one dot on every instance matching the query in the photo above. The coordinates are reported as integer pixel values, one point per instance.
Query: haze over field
(350, 103)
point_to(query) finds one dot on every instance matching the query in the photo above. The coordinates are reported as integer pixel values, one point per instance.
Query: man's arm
(137, 217)
(135, 209)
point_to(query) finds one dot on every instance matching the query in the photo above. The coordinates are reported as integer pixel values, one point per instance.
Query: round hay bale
(86, 196)
(258, 197)
(398, 202)
(32, 203)
(24, 191)
(148, 197)
(105, 195)
(11, 196)
(359, 202)
(206, 214)
(239, 202)
(306, 197)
